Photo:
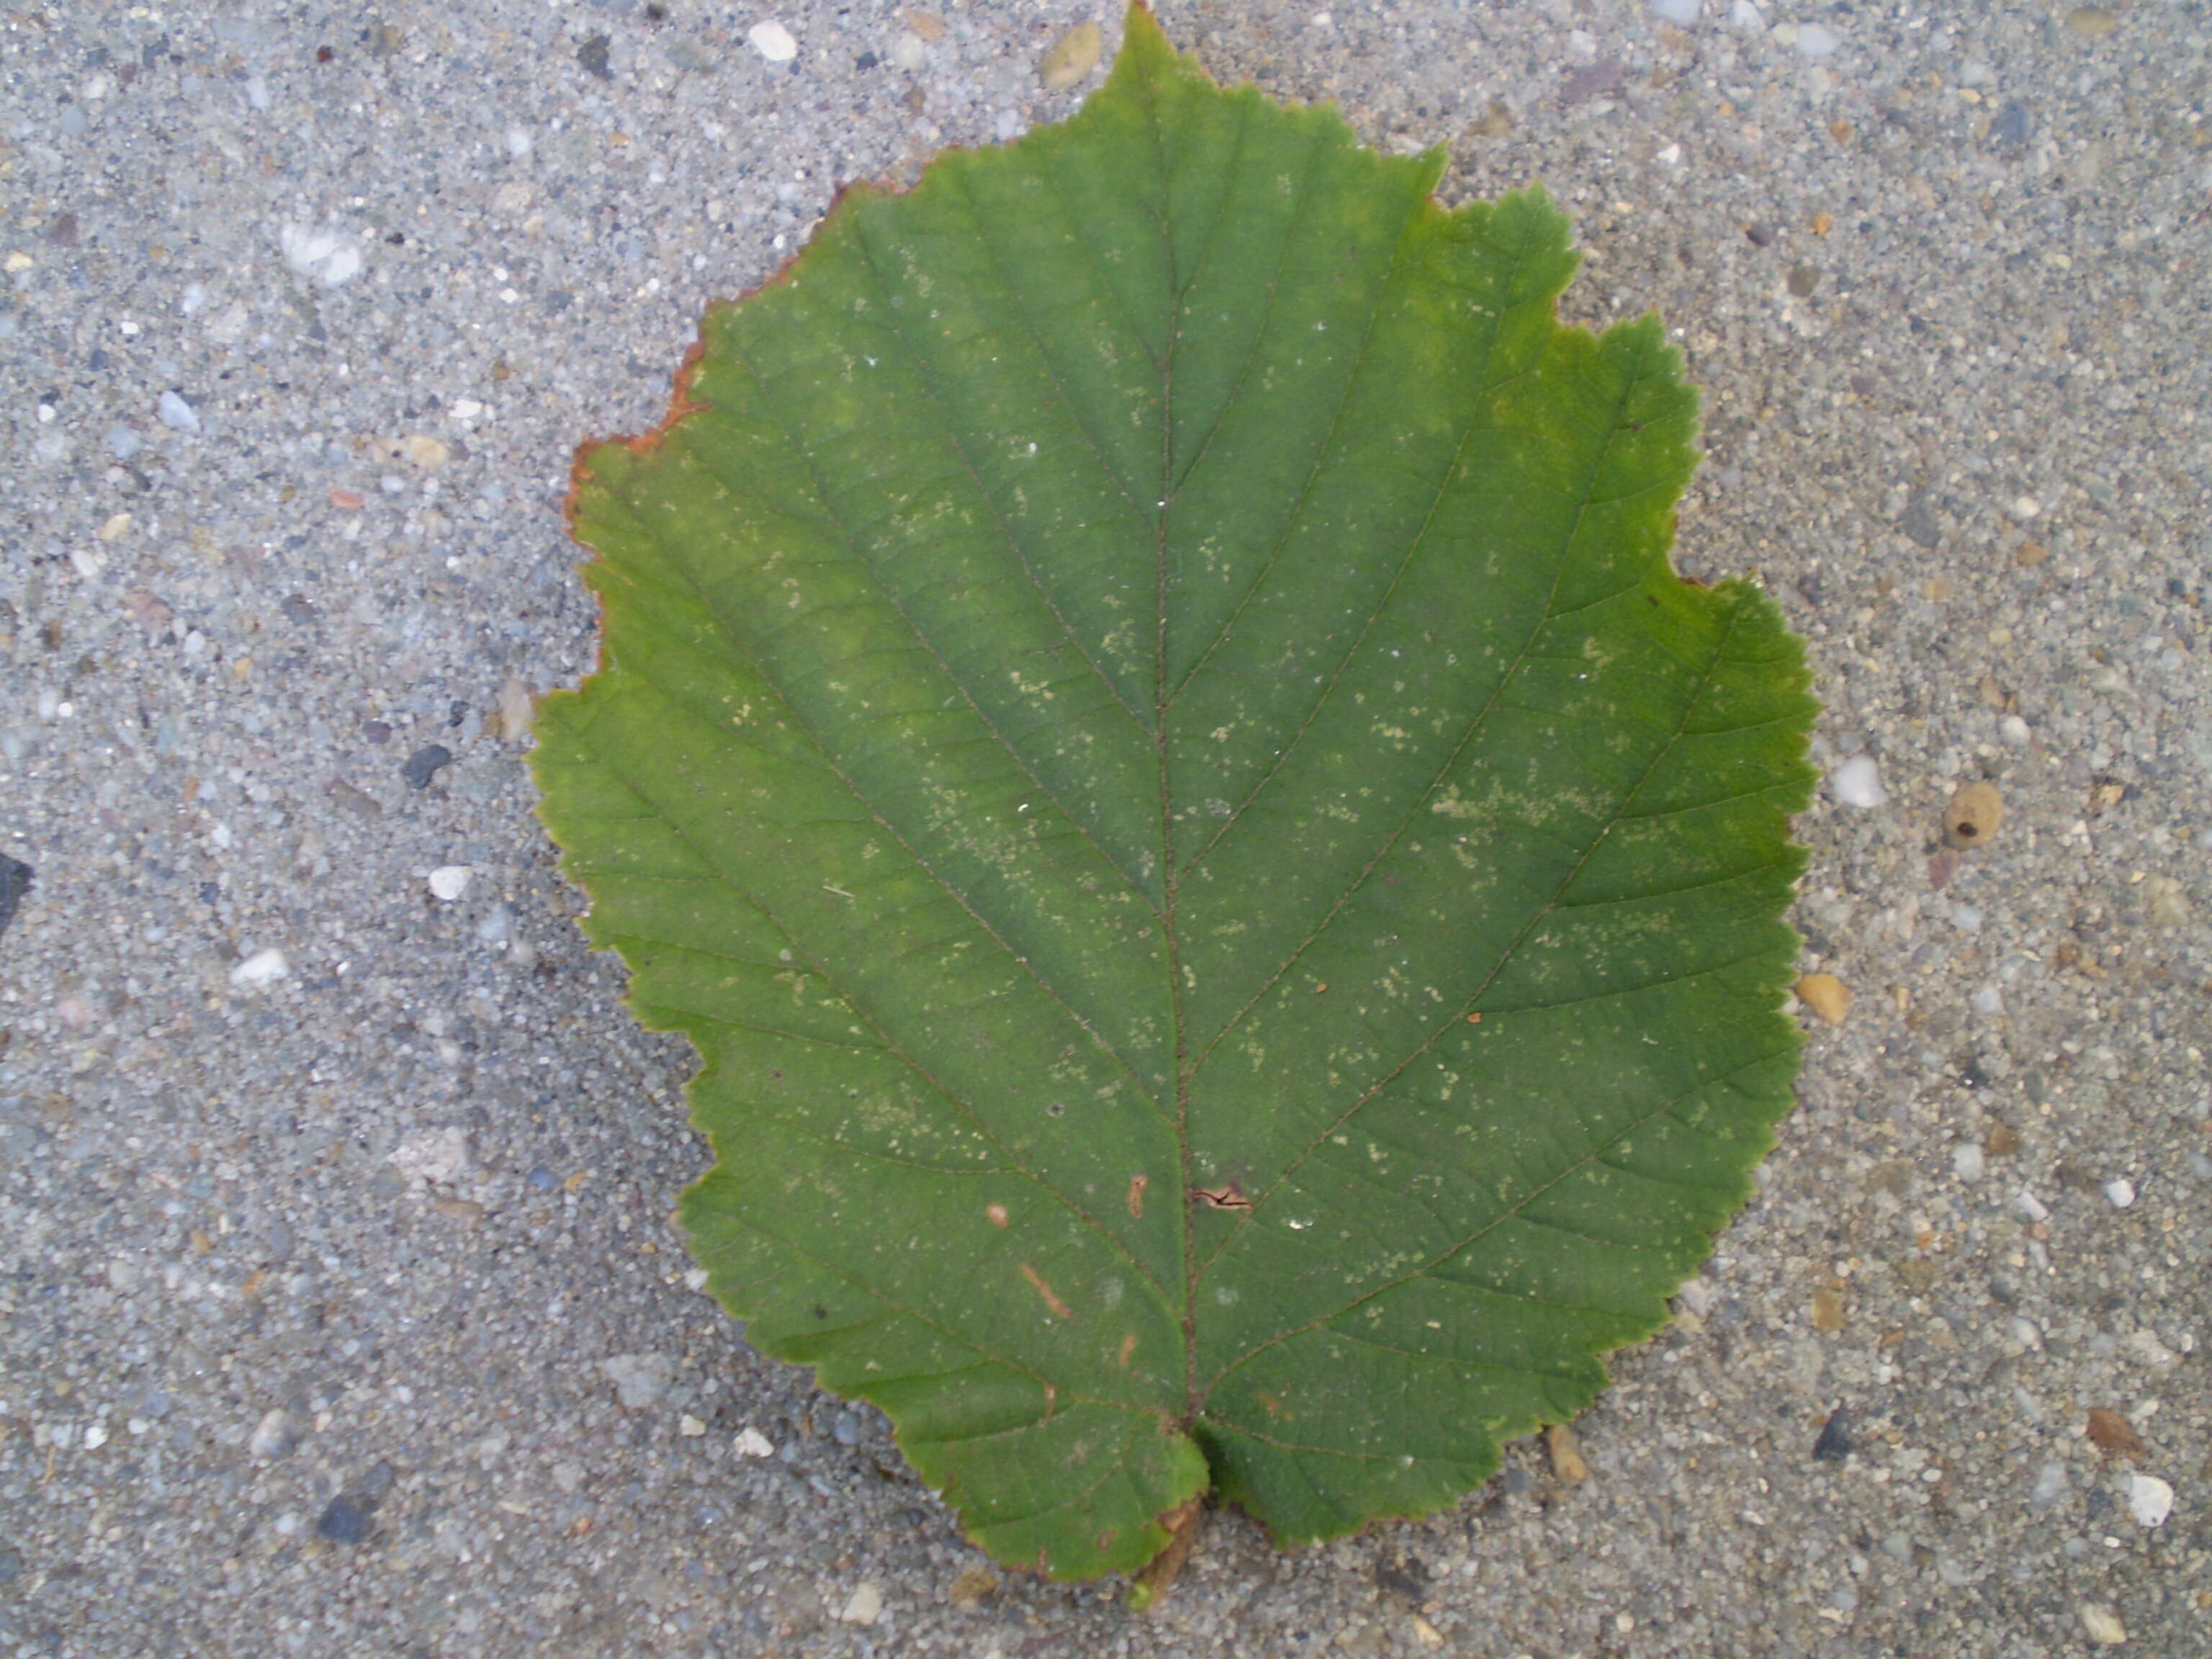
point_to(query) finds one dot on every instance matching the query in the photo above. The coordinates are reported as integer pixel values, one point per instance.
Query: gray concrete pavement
(339, 1310)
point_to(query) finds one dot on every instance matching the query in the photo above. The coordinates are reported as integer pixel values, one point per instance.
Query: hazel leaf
(1229, 899)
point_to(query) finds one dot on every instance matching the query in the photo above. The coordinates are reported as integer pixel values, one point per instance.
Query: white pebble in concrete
(773, 41)
(2150, 1499)
(261, 969)
(1816, 41)
(325, 255)
(864, 1607)
(1857, 782)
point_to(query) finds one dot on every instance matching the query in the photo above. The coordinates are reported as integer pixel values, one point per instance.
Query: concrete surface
(342, 1313)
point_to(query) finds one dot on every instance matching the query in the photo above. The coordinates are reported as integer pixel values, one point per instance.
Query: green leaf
(1228, 900)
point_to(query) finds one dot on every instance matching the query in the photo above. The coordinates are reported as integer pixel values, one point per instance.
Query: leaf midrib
(1171, 877)
(1165, 696)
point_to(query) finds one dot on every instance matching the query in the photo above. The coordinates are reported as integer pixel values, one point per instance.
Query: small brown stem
(1159, 1576)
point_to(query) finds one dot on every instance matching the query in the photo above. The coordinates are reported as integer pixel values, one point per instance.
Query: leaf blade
(1228, 898)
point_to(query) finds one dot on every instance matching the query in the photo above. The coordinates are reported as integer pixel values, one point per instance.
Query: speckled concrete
(341, 1311)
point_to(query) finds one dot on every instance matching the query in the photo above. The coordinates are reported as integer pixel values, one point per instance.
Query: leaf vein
(1442, 772)
(915, 1315)
(830, 762)
(1462, 1362)
(1037, 340)
(1367, 626)
(1267, 310)
(1512, 1211)
(1506, 957)
(1728, 880)
(966, 1108)
(853, 546)
(670, 1005)
(952, 436)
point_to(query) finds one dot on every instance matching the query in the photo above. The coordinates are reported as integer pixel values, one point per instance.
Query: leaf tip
(1139, 24)
(1145, 51)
